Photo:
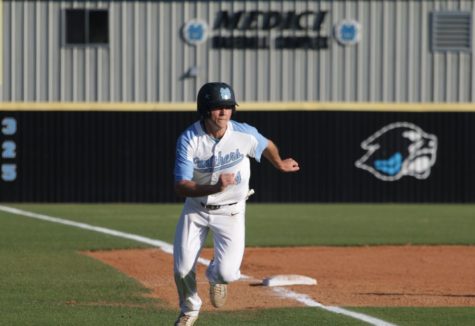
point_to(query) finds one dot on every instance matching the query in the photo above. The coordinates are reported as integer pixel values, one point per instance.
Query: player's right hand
(225, 180)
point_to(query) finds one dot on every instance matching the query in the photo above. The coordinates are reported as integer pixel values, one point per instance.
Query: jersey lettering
(219, 162)
(237, 179)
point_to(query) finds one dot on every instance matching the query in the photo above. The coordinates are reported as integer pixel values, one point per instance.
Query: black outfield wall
(344, 156)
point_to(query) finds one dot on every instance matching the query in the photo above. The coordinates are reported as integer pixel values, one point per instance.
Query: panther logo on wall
(399, 149)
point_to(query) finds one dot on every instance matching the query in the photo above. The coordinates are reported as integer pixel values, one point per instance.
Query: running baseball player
(212, 170)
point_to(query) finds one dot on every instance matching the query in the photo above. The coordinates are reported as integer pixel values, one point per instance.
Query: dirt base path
(426, 276)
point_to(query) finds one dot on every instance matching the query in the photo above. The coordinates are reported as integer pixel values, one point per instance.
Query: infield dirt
(423, 276)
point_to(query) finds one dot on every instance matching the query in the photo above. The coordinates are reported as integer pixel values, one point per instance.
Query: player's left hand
(289, 165)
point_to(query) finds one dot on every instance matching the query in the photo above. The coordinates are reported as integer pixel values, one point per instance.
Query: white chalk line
(168, 248)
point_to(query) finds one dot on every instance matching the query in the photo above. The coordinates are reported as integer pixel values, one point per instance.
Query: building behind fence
(374, 98)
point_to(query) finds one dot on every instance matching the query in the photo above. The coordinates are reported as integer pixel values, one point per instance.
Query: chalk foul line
(168, 248)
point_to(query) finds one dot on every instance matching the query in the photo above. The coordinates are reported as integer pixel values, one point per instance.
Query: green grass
(359, 224)
(423, 316)
(44, 280)
(296, 224)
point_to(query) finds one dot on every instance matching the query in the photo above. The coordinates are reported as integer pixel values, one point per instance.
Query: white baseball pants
(228, 226)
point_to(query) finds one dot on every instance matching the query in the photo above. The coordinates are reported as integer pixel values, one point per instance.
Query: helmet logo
(225, 93)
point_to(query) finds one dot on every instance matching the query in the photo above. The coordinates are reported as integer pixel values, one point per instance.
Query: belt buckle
(211, 207)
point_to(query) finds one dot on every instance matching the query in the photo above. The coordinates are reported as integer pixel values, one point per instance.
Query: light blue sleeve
(262, 141)
(183, 162)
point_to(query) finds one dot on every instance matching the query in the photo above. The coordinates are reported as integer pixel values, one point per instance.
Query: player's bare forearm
(188, 188)
(271, 153)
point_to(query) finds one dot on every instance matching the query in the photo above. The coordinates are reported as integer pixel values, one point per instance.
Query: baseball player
(212, 170)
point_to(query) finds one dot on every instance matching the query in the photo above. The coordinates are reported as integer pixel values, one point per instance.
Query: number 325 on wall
(8, 170)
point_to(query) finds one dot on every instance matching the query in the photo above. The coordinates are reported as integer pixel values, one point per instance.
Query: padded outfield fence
(345, 155)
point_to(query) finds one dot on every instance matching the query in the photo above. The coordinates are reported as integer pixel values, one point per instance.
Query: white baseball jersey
(201, 158)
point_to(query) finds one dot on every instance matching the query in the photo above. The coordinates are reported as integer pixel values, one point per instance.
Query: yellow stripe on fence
(245, 106)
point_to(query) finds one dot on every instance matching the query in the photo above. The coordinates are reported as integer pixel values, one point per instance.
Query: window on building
(451, 31)
(86, 27)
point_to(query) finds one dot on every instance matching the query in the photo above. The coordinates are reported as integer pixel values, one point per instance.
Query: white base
(282, 280)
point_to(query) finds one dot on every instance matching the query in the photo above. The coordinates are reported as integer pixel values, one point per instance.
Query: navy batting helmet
(215, 95)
